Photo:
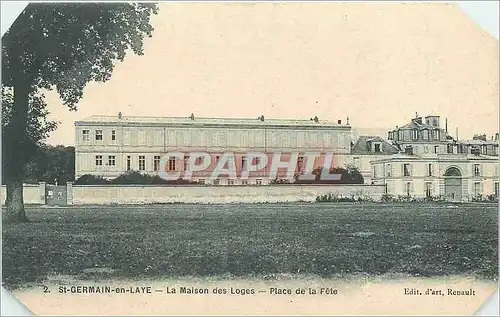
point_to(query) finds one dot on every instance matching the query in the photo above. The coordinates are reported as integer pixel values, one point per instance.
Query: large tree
(60, 46)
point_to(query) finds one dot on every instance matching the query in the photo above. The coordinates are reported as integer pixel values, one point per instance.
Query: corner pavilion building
(112, 145)
(431, 163)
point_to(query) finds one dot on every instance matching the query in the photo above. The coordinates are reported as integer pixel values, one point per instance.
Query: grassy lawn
(252, 240)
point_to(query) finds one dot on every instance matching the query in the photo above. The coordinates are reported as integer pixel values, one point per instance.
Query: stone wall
(33, 194)
(134, 194)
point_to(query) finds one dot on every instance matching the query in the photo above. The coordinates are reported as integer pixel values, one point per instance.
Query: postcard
(250, 158)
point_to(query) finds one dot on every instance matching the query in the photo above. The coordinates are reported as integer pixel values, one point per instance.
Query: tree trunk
(15, 153)
(14, 203)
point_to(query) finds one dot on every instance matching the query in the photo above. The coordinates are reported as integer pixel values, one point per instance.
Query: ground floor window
(216, 182)
(244, 182)
(408, 188)
(258, 181)
(142, 163)
(171, 164)
(478, 189)
(98, 160)
(156, 163)
(496, 189)
(128, 163)
(230, 182)
(428, 189)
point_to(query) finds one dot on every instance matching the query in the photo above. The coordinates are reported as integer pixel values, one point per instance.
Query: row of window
(455, 149)
(171, 162)
(407, 170)
(429, 189)
(244, 138)
(415, 134)
(479, 189)
(98, 135)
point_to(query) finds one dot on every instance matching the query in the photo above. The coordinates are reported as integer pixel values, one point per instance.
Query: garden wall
(140, 194)
(33, 194)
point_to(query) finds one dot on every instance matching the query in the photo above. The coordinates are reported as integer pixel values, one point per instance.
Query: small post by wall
(41, 189)
(69, 193)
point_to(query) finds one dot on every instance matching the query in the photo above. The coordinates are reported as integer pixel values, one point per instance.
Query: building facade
(431, 163)
(367, 149)
(112, 145)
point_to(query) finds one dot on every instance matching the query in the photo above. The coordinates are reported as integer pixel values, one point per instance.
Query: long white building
(111, 145)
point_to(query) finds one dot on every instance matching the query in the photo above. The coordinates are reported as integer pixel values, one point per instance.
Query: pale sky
(377, 63)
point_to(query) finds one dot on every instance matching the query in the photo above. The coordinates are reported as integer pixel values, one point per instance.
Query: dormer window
(377, 147)
(436, 134)
(414, 134)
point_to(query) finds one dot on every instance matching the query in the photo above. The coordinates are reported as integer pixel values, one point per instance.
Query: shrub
(339, 198)
(280, 181)
(485, 199)
(349, 175)
(130, 178)
(89, 179)
(137, 178)
(403, 198)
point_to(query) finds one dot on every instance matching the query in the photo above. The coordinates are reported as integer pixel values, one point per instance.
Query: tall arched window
(452, 171)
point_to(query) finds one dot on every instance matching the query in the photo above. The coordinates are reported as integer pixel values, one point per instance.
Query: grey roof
(419, 126)
(142, 120)
(363, 146)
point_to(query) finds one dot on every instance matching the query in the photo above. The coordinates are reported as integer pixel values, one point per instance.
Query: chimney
(446, 125)
(120, 115)
(316, 119)
(481, 137)
(339, 121)
(347, 120)
(261, 118)
(191, 116)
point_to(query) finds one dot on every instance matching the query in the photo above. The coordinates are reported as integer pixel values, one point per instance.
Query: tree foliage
(60, 46)
(51, 164)
(349, 175)
(66, 45)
